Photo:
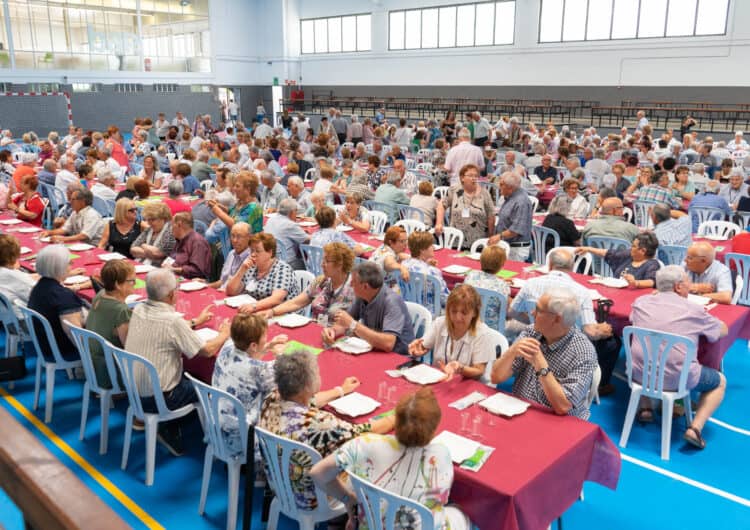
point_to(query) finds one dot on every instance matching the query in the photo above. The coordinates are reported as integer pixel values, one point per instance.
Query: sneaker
(171, 439)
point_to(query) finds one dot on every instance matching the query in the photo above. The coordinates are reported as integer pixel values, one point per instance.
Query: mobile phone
(408, 364)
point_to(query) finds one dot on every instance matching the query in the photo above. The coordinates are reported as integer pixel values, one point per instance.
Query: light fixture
(185, 3)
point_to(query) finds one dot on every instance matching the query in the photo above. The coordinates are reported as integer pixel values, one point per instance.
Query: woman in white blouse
(579, 206)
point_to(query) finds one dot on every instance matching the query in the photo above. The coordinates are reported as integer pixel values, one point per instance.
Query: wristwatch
(543, 372)
(352, 327)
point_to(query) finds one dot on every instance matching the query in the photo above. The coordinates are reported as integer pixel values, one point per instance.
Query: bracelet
(340, 391)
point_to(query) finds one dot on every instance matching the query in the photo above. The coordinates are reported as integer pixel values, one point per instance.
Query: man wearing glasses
(85, 224)
(552, 361)
(708, 277)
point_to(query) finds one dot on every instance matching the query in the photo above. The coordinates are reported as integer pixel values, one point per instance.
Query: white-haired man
(105, 185)
(297, 191)
(283, 226)
(553, 362)
(462, 154)
(514, 218)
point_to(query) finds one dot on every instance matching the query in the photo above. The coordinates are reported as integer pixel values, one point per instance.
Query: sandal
(696, 441)
(645, 415)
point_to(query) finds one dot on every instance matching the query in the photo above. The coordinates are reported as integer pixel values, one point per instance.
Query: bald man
(239, 236)
(708, 277)
(611, 222)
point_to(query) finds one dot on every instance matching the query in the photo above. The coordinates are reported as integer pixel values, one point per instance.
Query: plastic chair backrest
(129, 364)
(378, 220)
(8, 318)
(378, 206)
(594, 388)
(303, 279)
(627, 213)
(593, 201)
(479, 244)
(606, 243)
(642, 210)
(32, 318)
(277, 452)
(200, 226)
(723, 229)
(410, 212)
(310, 175)
(452, 238)
(700, 215)
(539, 235)
(739, 285)
(83, 338)
(672, 254)
(421, 318)
(211, 400)
(534, 203)
(741, 263)
(499, 344)
(381, 506)
(411, 225)
(207, 184)
(577, 260)
(440, 192)
(743, 219)
(281, 251)
(494, 308)
(101, 206)
(424, 166)
(423, 289)
(656, 347)
(313, 258)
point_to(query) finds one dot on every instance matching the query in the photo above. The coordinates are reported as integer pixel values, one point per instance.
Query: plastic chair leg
(273, 517)
(84, 410)
(151, 428)
(105, 403)
(635, 397)
(208, 460)
(233, 489)
(126, 440)
(49, 392)
(37, 381)
(667, 408)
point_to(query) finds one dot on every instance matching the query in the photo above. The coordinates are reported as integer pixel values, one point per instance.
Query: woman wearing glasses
(120, 233)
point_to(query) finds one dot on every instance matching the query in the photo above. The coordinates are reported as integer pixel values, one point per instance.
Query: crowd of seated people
(249, 192)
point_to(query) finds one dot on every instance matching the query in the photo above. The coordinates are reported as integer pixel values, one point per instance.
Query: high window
(349, 33)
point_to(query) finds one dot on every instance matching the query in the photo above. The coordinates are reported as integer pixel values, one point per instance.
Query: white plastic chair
(14, 333)
(593, 394)
(739, 283)
(83, 339)
(378, 220)
(656, 347)
(534, 203)
(303, 280)
(421, 318)
(642, 211)
(310, 175)
(479, 244)
(577, 260)
(627, 213)
(50, 367)
(451, 238)
(277, 452)
(500, 345)
(425, 167)
(440, 192)
(129, 363)
(740, 263)
(207, 184)
(411, 225)
(313, 258)
(381, 506)
(722, 229)
(210, 399)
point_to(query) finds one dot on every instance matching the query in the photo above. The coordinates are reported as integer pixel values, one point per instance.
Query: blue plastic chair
(277, 452)
(378, 222)
(656, 347)
(600, 265)
(14, 332)
(385, 207)
(703, 214)
(421, 318)
(101, 206)
(50, 367)
(210, 400)
(422, 289)
(539, 235)
(382, 506)
(129, 364)
(494, 308)
(741, 263)
(135, 168)
(83, 339)
(313, 258)
(672, 254)
(410, 212)
(57, 201)
(200, 227)
(642, 213)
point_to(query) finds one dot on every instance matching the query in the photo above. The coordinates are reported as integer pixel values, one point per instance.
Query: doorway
(229, 100)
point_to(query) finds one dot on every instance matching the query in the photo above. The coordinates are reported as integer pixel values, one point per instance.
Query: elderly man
(191, 256)
(408, 179)
(546, 172)
(735, 189)
(158, 333)
(482, 129)
(668, 311)
(297, 191)
(67, 174)
(48, 174)
(273, 192)
(239, 236)
(709, 198)
(610, 222)
(658, 191)
(553, 362)
(104, 188)
(462, 154)
(392, 194)
(510, 165)
(708, 277)
(106, 160)
(642, 120)
(200, 168)
(514, 218)
(671, 227)
(283, 226)
(598, 165)
(378, 315)
(739, 143)
(84, 224)
(26, 167)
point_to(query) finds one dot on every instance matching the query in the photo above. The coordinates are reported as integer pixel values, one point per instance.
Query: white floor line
(686, 480)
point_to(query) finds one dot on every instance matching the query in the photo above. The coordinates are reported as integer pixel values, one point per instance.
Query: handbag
(12, 368)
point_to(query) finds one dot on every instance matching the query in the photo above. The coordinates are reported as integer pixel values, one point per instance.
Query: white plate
(10, 221)
(423, 374)
(110, 256)
(456, 269)
(307, 223)
(239, 300)
(45, 239)
(72, 280)
(700, 300)
(344, 228)
(379, 237)
(29, 230)
(354, 404)
(353, 345)
(80, 246)
(160, 191)
(25, 250)
(143, 268)
(616, 283)
(504, 405)
(192, 286)
(292, 320)
(712, 237)
(473, 255)
(206, 334)
(518, 283)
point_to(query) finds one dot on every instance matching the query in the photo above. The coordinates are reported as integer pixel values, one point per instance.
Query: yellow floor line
(103, 481)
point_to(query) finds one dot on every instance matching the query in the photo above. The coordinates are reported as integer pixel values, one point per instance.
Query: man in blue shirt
(709, 199)
(672, 227)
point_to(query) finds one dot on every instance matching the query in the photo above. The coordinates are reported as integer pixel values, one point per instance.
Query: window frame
(341, 28)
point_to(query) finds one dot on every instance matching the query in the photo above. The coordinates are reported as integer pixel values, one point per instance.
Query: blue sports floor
(695, 489)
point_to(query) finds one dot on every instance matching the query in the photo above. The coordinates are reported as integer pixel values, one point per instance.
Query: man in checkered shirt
(658, 191)
(552, 361)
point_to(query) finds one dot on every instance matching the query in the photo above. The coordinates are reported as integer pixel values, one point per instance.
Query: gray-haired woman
(557, 219)
(289, 411)
(56, 303)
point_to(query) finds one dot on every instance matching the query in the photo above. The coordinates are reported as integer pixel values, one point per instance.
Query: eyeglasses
(695, 257)
(149, 219)
(132, 210)
(538, 309)
(131, 280)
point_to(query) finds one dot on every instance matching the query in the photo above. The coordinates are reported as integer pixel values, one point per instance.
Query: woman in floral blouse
(423, 260)
(492, 260)
(288, 412)
(330, 292)
(407, 464)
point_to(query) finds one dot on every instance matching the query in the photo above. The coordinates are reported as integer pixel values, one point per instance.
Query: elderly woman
(289, 411)
(390, 462)
(492, 261)
(317, 201)
(121, 232)
(391, 255)
(644, 179)
(325, 182)
(682, 187)
(14, 283)
(460, 342)
(578, 207)
(247, 208)
(637, 265)
(328, 293)
(109, 315)
(425, 201)
(559, 219)
(28, 204)
(470, 206)
(55, 302)
(269, 280)
(423, 260)
(135, 188)
(343, 180)
(358, 184)
(150, 172)
(375, 174)
(157, 241)
(174, 202)
(354, 214)
(326, 218)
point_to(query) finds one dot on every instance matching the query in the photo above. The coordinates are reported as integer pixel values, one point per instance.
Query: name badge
(465, 213)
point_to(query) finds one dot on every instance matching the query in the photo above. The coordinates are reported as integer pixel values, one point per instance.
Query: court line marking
(71, 453)
(690, 482)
